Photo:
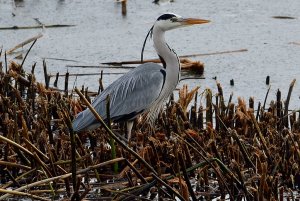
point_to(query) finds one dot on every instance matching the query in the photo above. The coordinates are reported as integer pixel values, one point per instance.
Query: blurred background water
(102, 34)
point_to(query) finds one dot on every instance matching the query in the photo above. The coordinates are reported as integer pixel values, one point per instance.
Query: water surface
(102, 34)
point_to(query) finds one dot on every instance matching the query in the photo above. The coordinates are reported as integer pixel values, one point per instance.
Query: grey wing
(130, 95)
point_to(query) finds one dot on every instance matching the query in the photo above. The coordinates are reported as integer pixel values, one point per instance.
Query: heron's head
(172, 21)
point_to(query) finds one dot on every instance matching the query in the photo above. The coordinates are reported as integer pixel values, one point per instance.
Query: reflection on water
(19, 3)
(102, 34)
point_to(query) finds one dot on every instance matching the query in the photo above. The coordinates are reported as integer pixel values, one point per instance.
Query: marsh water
(102, 34)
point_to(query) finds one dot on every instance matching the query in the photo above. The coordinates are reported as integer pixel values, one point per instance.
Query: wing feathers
(130, 95)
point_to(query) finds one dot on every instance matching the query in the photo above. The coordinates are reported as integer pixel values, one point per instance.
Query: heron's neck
(167, 55)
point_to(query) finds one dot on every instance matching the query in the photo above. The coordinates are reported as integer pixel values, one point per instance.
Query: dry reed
(215, 148)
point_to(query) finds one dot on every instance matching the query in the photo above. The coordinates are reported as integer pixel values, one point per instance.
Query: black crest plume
(144, 44)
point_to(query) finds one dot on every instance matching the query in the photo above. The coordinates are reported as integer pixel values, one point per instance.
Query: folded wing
(130, 95)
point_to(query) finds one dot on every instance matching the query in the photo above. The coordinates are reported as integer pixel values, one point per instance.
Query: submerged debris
(216, 148)
(284, 17)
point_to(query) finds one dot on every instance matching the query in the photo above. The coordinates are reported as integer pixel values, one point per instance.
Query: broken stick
(37, 26)
(24, 43)
(184, 56)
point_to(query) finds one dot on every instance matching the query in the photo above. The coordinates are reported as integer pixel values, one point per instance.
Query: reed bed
(202, 147)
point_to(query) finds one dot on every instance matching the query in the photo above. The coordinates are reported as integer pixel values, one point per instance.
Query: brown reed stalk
(18, 146)
(193, 116)
(46, 76)
(264, 105)
(251, 103)
(286, 104)
(263, 141)
(111, 140)
(5, 61)
(66, 84)
(75, 195)
(56, 79)
(186, 177)
(155, 159)
(217, 114)
(200, 118)
(101, 88)
(258, 110)
(124, 7)
(262, 182)
(230, 115)
(209, 112)
(221, 106)
(242, 148)
(177, 169)
(279, 111)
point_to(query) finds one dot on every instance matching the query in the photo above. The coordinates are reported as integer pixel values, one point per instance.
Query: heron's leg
(129, 125)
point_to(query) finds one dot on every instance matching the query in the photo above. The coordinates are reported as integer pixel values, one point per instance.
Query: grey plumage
(126, 101)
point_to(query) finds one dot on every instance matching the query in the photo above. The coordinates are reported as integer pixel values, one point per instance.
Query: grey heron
(143, 89)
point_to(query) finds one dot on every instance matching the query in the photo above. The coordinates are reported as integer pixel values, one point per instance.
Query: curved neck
(167, 55)
(172, 66)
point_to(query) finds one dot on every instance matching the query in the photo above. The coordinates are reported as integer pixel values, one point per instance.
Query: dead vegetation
(216, 148)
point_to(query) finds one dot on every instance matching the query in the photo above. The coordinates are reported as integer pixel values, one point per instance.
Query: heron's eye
(174, 19)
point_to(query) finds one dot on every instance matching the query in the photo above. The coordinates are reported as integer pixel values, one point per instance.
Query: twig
(14, 192)
(85, 74)
(192, 78)
(100, 66)
(37, 26)
(10, 164)
(264, 105)
(28, 52)
(24, 43)
(183, 56)
(61, 59)
(16, 145)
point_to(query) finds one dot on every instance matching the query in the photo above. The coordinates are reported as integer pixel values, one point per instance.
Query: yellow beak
(191, 21)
